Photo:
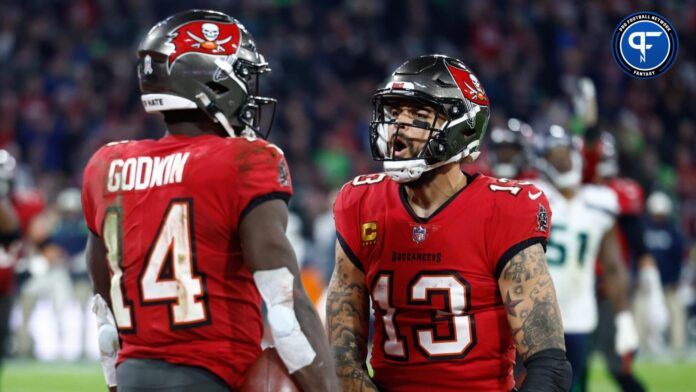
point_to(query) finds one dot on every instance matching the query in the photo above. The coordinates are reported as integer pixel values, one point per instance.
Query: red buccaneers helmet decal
(469, 85)
(218, 39)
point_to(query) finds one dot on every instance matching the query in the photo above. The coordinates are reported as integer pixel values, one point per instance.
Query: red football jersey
(168, 212)
(27, 204)
(440, 322)
(630, 195)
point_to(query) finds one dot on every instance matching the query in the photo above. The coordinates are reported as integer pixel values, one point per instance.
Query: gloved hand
(585, 101)
(108, 338)
(626, 333)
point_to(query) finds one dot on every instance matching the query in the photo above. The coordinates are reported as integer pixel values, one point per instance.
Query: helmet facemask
(439, 145)
(556, 140)
(255, 116)
(386, 146)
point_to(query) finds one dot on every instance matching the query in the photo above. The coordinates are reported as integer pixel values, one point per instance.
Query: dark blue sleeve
(678, 250)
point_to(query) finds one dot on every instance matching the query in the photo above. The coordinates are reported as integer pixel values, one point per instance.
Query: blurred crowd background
(68, 85)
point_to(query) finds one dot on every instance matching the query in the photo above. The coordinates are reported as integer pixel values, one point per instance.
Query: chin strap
(217, 115)
(411, 170)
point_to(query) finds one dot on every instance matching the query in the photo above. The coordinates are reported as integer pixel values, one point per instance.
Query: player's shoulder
(512, 194)
(250, 145)
(600, 197)
(362, 187)
(246, 152)
(113, 150)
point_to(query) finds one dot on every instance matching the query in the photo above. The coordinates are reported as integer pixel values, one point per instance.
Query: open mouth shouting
(400, 147)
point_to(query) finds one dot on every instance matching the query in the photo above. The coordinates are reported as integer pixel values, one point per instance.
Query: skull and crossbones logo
(210, 41)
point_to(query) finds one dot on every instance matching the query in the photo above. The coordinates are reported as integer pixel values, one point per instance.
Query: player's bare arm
(530, 301)
(616, 276)
(97, 266)
(265, 248)
(348, 320)
(535, 320)
(614, 270)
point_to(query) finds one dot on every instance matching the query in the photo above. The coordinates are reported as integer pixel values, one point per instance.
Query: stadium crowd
(68, 85)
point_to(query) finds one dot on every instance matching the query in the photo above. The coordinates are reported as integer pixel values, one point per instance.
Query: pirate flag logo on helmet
(219, 39)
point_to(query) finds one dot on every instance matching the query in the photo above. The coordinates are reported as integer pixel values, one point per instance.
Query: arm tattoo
(348, 317)
(526, 265)
(530, 301)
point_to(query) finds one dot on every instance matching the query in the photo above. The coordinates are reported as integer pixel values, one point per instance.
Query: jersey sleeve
(346, 218)
(519, 221)
(263, 175)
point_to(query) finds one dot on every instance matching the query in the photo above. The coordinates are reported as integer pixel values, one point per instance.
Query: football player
(9, 234)
(602, 167)
(453, 262)
(188, 231)
(509, 154)
(584, 229)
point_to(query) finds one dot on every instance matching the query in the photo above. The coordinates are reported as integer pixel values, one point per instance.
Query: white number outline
(394, 343)
(113, 241)
(393, 340)
(424, 332)
(368, 179)
(512, 189)
(199, 299)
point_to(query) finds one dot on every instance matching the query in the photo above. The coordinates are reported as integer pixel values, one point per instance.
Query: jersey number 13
(427, 337)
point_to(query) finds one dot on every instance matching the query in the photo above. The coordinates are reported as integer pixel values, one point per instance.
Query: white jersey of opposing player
(577, 229)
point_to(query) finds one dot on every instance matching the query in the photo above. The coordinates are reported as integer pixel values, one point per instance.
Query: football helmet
(569, 175)
(446, 85)
(201, 59)
(510, 152)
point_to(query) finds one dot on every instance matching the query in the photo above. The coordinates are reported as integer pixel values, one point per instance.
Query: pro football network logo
(645, 45)
(219, 39)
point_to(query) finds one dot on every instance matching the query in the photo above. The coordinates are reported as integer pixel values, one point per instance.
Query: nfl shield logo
(419, 233)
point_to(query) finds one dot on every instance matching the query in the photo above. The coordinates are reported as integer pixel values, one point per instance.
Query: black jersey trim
(404, 200)
(515, 249)
(258, 200)
(93, 232)
(351, 256)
